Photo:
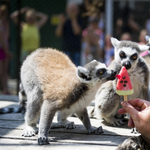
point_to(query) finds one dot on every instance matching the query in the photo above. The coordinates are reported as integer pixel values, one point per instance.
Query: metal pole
(18, 46)
(109, 16)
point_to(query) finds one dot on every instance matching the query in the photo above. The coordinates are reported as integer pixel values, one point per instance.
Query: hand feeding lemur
(107, 101)
(53, 83)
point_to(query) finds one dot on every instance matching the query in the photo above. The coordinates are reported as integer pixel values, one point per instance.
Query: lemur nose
(127, 64)
(113, 72)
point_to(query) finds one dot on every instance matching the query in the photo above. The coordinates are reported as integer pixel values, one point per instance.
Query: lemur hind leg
(83, 116)
(62, 120)
(114, 121)
(32, 112)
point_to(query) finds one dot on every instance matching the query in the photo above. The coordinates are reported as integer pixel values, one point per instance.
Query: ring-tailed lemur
(107, 101)
(53, 83)
(134, 143)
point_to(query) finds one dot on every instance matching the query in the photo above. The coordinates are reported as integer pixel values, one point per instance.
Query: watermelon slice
(124, 86)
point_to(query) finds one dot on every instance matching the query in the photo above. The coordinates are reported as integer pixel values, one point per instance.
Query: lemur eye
(134, 57)
(122, 54)
(101, 71)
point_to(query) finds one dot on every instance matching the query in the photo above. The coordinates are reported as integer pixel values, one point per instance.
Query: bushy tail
(22, 102)
(22, 99)
(10, 110)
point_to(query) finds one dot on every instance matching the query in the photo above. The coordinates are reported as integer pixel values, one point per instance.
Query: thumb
(129, 109)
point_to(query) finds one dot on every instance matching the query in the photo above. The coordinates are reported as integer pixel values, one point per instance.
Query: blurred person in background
(142, 35)
(92, 41)
(147, 24)
(69, 28)
(142, 41)
(109, 50)
(126, 37)
(30, 35)
(5, 54)
(92, 48)
(126, 22)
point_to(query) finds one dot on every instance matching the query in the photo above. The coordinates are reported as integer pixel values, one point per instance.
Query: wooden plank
(16, 121)
(68, 138)
(9, 104)
(7, 144)
(12, 125)
(13, 98)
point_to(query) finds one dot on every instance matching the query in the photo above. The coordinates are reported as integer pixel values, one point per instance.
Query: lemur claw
(43, 140)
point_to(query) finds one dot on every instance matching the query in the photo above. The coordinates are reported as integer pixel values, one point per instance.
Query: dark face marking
(122, 55)
(112, 75)
(127, 64)
(134, 56)
(100, 72)
(83, 76)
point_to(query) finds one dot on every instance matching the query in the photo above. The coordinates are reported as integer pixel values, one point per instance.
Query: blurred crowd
(82, 34)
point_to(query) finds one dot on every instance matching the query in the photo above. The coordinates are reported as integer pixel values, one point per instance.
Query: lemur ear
(114, 42)
(143, 47)
(83, 73)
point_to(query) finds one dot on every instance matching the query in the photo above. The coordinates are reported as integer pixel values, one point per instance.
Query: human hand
(24, 9)
(62, 18)
(139, 111)
(73, 15)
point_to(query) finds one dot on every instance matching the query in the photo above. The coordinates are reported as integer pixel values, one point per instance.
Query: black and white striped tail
(10, 110)
(22, 102)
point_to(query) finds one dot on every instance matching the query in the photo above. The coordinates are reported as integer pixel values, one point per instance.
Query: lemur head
(127, 52)
(95, 72)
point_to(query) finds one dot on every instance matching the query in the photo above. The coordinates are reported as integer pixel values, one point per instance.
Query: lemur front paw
(30, 131)
(67, 125)
(43, 140)
(98, 130)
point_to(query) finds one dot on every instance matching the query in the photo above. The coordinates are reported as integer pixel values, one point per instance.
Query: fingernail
(123, 103)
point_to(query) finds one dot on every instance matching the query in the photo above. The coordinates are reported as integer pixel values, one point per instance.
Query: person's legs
(76, 58)
(68, 54)
(4, 76)
(23, 56)
(1, 70)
